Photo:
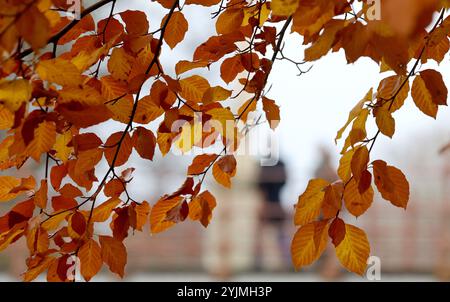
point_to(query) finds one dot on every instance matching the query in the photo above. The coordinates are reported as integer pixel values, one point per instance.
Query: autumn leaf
(193, 88)
(391, 183)
(309, 243)
(118, 148)
(353, 250)
(356, 202)
(272, 112)
(284, 7)
(230, 68)
(310, 202)
(43, 141)
(177, 28)
(359, 162)
(114, 254)
(230, 20)
(90, 259)
(159, 216)
(144, 142)
(200, 163)
(423, 97)
(14, 93)
(224, 169)
(201, 208)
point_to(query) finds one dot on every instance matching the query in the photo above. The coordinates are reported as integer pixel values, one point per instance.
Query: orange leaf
(309, 243)
(359, 162)
(391, 183)
(423, 98)
(114, 254)
(40, 197)
(230, 68)
(103, 211)
(121, 144)
(201, 207)
(90, 259)
(144, 141)
(43, 141)
(176, 29)
(272, 112)
(229, 21)
(162, 214)
(224, 169)
(310, 202)
(435, 85)
(184, 66)
(200, 163)
(355, 202)
(136, 22)
(34, 27)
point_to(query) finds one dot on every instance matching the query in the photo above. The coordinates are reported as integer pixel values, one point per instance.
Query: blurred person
(271, 215)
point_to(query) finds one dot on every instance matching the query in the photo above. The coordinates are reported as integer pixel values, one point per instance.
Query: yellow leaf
(385, 121)
(284, 7)
(43, 141)
(246, 108)
(354, 250)
(14, 93)
(324, 42)
(344, 170)
(6, 118)
(63, 152)
(53, 222)
(190, 135)
(309, 243)
(193, 88)
(423, 98)
(158, 215)
(7, 183)
(41, 195)
(103, 211)
(184, 66)
(120, 64)
(310, 202)
(90, 259)
(59, 71)
(216, 94)
(354, 113)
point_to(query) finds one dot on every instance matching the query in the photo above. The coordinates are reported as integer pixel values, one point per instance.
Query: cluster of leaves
(52, 91)
(393, 42)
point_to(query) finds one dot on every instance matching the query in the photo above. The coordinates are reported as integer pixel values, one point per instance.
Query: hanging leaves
(58, 78)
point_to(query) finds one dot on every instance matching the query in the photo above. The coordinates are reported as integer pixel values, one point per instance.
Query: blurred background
(241, 244)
